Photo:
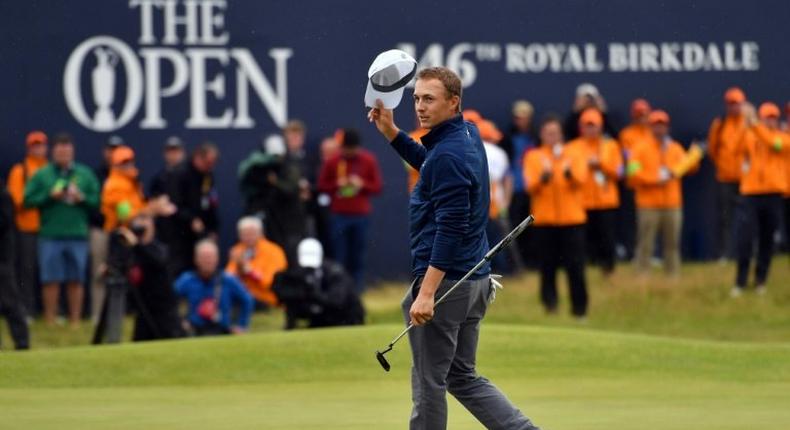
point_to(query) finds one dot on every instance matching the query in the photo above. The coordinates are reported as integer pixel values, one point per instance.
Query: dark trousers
(525, 243)
(787, 224)
(625, 223)
(727, 194)
(600, 238)
(758, 216)
(349, 239)
(11, 309)
(27, 271)
(562, 247)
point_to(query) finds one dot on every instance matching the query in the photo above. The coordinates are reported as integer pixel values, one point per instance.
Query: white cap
(587, 89)
(274, 144)
(310, 253)
(388, 76)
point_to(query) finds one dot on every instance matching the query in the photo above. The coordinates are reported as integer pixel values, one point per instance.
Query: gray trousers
(443, 357)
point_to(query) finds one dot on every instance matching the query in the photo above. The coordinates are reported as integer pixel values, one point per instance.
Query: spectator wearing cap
(27, 219)
(196, 199)
(11, 306)
(601, 196)
(255, 260)
(269, 179)
(637, 131)
(555, 174)
(173, 155)
(654, 171)
(587, 96)
(122, 194)
(727, 137)
(763, 183)
(98, 239)
(516, 143)
(351, 178)
(64, 192)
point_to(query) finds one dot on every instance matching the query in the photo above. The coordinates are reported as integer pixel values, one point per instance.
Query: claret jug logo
(183, 53)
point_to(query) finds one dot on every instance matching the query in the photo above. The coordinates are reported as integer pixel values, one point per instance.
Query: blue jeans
(62, 260)
(349, 237)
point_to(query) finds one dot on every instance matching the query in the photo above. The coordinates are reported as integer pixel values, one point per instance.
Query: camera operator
(318, 290)
(140, 260)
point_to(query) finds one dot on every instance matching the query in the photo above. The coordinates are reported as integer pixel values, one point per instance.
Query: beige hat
(523, 108)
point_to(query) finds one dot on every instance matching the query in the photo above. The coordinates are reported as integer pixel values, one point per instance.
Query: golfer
(448, 212)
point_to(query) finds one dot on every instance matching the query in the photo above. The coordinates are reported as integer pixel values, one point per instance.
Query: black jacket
(195, 195)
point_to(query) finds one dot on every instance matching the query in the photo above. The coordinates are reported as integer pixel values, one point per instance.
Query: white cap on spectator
(388, 76)
(310, 253)
(274, 145)
(587, 89)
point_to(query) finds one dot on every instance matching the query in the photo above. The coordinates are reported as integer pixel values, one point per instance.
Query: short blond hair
(448, 78)
(249, 221)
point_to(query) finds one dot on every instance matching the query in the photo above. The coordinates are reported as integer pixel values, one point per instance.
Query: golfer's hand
(421, 310)
(384, 120)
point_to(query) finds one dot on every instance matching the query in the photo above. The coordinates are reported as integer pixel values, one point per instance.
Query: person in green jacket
(64, 192)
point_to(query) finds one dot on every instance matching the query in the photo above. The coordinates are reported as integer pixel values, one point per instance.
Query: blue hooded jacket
(448, 208)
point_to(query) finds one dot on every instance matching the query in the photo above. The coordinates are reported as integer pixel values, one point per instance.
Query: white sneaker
(760, 290)
(736, 292)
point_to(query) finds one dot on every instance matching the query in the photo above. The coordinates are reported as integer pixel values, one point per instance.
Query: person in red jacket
(350, 178)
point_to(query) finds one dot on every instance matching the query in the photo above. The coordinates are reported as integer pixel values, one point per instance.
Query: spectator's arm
(16, 185)
(533, 170)
(612, 160)
(713, 139)
(37, 191)
(637, 173)
(327, 179)
(409, 150)
(579, 170)
(372, 183)
(450, 190)
(243, 299)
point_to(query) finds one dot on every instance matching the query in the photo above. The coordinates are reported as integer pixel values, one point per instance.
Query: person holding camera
(212, 295)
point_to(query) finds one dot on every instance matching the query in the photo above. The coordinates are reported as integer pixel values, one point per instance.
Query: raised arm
(411, 151)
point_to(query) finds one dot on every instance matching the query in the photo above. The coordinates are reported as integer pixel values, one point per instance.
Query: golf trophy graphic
(103, 81)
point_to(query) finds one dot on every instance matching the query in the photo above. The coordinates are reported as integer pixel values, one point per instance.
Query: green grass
(653, 354)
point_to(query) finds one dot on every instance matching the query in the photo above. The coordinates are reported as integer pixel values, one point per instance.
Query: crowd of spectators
(598, 196)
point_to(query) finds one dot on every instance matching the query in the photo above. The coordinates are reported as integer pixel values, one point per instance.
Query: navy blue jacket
(448, 209)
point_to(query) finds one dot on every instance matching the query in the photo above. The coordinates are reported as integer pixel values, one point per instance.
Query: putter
(491, 253)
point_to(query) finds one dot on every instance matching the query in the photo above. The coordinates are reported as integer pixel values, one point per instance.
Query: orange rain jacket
(633, 134)
(765, 162)
(121, 193)
(560, 202)
(600, 188)
(27, 219)
(643, 173)
(726, 141)
(266, 261)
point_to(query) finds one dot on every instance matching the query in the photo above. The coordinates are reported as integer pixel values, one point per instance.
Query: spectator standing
(197, 202)
(727, 138)
(98, 240)
(255, 261)
(27, 220)
(64, 192)
(601, 197)
(516, 144)
(11, 306)
(762, 186)
(270, 181)
(165, 183)
(322, 214)
(632, 135)
(555, 174)
(654, 170)
(351, 178)
(587, 96)
(212, 295)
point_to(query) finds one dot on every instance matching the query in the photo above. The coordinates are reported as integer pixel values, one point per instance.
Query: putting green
(329, 379)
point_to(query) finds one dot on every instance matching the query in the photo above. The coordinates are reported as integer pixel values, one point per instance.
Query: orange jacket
(633, 134)
(765, 161)
(121, 193)
(27, 219)
(600, 188)
(726, 140)
(644, 169)
(560, 201)
(265, 261)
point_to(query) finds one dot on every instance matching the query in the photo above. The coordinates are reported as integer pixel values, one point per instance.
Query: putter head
(383, 361)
